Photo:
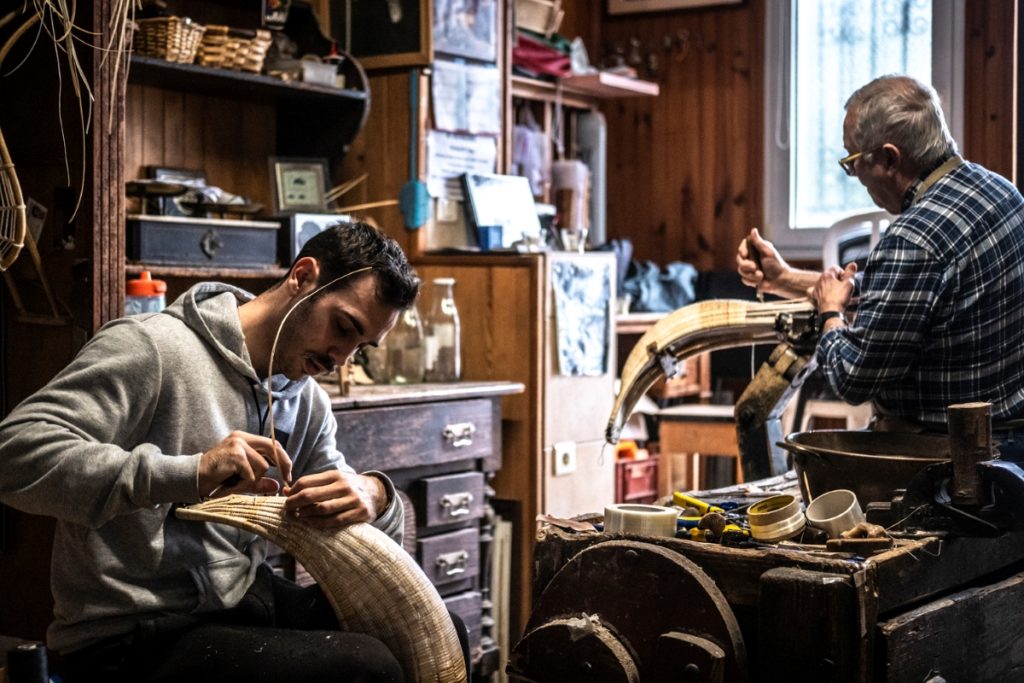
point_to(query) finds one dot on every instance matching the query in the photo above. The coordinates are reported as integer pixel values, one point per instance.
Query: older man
(940, 304)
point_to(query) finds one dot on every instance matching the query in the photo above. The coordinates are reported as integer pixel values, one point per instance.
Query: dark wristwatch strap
(828, 315)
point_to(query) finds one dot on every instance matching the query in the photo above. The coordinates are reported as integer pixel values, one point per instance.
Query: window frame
(947, 78)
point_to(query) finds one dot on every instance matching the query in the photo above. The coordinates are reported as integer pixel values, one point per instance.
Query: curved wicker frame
(374, 586)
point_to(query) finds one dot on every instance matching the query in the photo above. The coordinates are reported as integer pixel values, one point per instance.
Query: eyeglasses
(846, 163)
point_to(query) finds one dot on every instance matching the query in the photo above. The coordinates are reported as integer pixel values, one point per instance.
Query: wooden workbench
(929, 606)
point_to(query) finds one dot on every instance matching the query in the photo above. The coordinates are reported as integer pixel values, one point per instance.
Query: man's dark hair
(346, 247)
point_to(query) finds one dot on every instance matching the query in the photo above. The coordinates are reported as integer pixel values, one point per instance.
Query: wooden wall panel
(219, 136)
(990, 79)
(684, 169)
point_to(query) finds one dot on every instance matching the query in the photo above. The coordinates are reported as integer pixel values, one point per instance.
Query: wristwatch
(828, 315)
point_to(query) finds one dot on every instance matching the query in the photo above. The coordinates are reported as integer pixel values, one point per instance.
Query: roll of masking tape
(640, 520)
(776, 519)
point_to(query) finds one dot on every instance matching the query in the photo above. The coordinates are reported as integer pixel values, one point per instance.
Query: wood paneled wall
(990, 77)
(684, 168)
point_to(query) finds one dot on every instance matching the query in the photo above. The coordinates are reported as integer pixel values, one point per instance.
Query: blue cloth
(941, 313)
(654, 291)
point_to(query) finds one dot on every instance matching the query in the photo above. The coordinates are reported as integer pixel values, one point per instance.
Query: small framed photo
(298, 184)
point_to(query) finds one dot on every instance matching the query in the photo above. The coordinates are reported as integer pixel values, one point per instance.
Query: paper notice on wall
(450, 155)
(466, 97)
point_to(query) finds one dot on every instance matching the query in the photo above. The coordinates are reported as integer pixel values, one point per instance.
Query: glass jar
(442, 347)
(405, 348)
(144, 295)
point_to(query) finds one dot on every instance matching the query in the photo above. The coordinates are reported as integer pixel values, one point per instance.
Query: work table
(370, 395)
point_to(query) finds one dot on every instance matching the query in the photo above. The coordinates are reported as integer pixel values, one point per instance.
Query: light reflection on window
(839, 46)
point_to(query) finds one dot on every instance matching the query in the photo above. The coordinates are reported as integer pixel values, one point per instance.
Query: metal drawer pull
(453, 563)
(459, 434)
(457, 504)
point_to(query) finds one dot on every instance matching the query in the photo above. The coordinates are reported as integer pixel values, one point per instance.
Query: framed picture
(298, 184)
(628, 6)
(466, 29)
(385, 33)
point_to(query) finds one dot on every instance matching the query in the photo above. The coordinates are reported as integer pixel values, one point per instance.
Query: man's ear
(892, 156)
(304, 274)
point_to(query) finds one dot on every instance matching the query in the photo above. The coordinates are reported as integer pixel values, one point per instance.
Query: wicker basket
(236, 49)
(172, 38)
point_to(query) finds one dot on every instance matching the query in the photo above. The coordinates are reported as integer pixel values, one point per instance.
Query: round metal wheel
(666, 613)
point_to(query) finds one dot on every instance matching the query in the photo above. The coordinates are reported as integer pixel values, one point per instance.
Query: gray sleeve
(72, 450)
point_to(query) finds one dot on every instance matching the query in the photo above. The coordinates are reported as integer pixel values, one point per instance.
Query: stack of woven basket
(175, 39)
(230, 48)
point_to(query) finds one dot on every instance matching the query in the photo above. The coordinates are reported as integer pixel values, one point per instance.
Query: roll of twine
(640, 520)
(776, 519)
(26, 663)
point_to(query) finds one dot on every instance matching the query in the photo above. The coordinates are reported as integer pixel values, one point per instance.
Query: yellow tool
(682, 500)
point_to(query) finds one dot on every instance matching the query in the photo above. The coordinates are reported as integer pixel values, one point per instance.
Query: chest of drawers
(440, 444)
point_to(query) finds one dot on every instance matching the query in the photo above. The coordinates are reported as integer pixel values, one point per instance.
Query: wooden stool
(691, 431)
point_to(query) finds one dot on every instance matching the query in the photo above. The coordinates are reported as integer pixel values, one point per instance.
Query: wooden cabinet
(440, 444)
(510, 331)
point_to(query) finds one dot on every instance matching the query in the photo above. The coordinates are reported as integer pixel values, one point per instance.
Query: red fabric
(539, 58)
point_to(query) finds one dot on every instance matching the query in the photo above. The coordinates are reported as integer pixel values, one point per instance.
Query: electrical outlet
(564, 457)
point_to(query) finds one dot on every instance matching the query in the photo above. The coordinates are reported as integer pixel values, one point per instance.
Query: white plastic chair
(869, 224)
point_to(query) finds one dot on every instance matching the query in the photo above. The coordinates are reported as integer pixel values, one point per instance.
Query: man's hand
(237, 465)
(333, 499)
(833, 290)
(774, 276)
(772, 266)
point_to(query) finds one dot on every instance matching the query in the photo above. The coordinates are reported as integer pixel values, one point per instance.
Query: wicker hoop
(373, 584)
(13, 221)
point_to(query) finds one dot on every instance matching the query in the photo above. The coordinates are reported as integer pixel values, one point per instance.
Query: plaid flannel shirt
(940, 319)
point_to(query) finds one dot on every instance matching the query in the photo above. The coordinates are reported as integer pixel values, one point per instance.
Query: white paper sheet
(466, 98)
(450, 155)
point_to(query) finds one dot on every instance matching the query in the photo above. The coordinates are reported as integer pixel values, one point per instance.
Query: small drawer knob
(460, 434)
(453, 563)
(457, 504)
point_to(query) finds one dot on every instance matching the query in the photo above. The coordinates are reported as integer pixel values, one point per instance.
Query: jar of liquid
(144, 295)
(405, 348)
(442, 346)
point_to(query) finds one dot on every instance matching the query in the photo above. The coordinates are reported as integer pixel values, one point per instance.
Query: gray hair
(905, 112)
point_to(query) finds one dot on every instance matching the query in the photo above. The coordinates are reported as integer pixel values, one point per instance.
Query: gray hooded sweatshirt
(113, 442)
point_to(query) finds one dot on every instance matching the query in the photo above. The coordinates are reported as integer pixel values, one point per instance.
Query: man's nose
(341, 354)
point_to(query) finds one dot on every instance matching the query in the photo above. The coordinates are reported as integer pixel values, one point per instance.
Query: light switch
(447, 210)
(564, 457)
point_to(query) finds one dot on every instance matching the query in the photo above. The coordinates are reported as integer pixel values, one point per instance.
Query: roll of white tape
(640, 520)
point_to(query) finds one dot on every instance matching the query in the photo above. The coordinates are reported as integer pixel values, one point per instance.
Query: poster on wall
(467, 28)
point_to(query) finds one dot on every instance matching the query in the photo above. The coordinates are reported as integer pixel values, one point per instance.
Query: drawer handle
(457, 504)
(459, 434)
(453, 563)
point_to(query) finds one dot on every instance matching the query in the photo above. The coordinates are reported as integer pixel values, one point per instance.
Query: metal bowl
(871, 464)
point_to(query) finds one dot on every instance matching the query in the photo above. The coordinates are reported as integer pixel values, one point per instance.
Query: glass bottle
(405, 348)
(442, 344)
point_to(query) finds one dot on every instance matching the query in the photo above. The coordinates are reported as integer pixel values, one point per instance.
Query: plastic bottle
(144, 295)
(442, 344)
(405, 349)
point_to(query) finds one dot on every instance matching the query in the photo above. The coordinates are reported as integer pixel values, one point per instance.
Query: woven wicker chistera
(374, 586)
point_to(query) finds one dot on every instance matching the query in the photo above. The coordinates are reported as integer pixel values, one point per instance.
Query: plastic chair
(851, 238)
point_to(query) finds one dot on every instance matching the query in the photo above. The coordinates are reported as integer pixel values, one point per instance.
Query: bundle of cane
(374, 586)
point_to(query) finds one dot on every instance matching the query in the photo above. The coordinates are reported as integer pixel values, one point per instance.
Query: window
(817, 53)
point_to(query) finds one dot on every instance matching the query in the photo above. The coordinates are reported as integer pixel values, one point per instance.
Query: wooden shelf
(235, 84)
(581, 91)
(607, 85)
(201, 272)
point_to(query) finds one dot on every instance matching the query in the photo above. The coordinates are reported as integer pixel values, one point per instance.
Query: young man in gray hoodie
(170, 408)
